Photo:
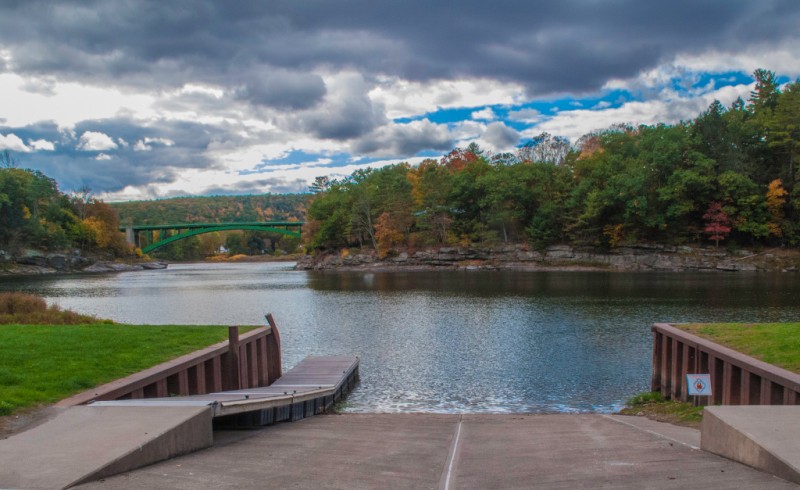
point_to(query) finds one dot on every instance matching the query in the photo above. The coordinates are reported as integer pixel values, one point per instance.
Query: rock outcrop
(31, 262)
(632, 258)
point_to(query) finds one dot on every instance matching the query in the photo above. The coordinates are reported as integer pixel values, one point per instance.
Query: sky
(141, 99)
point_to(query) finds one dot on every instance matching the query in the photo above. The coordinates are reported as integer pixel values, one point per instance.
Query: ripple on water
(444, 341)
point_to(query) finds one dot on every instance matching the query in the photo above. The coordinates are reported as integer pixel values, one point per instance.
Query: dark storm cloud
(348, 113)
(309, 66)
(283, 89)
(111, 170)
(554, 46)
(500, 135)
(404, 139)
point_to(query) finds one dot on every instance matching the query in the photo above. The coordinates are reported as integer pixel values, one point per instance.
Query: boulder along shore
(32, 262)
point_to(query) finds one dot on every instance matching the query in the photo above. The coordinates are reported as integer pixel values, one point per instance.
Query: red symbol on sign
(699, 386)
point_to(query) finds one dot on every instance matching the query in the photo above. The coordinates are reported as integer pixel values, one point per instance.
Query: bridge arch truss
(153, 237)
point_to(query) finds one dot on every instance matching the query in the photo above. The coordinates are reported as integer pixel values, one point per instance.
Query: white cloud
(95, 141)
(66, 105)
(671, 108)
(499, 138)
(528, 115)
(103, 156)
(686, 69)
(403, 98)
(13, 142)
(466, 131)
(485, 114)
(192, 88)
(784, 59)
(237, 157)
(196, 181)
(146, 144)
(159, 141)
(42, 145)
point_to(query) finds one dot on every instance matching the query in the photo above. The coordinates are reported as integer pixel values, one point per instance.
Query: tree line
(213, 209)
(728, 176)
(34, 213)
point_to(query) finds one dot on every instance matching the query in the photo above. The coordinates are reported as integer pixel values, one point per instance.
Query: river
(444, 341)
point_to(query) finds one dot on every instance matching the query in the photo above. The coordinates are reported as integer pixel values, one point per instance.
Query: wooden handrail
(736, 378)
(241, 362)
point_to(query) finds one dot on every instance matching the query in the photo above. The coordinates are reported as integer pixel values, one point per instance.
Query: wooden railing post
(274, 363)
(658, 342)
(233, 375)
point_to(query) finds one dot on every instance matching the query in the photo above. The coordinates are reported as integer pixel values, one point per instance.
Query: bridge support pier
(129, 235)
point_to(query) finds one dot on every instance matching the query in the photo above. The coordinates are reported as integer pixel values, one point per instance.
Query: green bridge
(151, 237)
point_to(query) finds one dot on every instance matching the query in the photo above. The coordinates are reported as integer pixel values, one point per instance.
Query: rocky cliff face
(37, 262)
(636, 258)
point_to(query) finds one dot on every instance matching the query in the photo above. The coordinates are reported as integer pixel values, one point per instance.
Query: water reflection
(449, 341)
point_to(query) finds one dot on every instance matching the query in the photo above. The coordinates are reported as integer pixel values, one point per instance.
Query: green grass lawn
(42, 364)
(775, 343)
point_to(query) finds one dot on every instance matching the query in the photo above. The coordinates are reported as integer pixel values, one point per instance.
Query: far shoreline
(520, 257)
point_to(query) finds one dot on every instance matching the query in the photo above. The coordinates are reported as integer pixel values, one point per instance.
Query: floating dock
(311, 387)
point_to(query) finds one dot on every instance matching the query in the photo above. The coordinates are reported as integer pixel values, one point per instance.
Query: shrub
(22, 308)
(20, 303)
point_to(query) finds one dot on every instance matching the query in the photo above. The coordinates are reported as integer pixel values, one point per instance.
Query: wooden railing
(247, 361)
(736, 379)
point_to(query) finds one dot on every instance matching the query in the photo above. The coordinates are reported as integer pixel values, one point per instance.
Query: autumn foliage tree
(717, 222)
(34, 213)
(776, 199)
(387, 233)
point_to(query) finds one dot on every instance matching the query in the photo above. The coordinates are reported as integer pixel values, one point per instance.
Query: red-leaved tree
(717, 222)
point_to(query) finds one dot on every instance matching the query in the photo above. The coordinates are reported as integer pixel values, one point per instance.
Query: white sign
(699, 384)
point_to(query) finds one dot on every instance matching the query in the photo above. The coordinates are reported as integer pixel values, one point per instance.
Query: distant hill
(214, 209)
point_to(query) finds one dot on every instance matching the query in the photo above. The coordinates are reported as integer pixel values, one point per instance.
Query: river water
(444, 341)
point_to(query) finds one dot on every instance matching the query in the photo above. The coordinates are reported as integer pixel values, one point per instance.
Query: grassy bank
(655, 407)
(775, 343)
(41, 364)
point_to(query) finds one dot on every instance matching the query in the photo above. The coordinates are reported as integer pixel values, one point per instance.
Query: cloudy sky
(140, 99)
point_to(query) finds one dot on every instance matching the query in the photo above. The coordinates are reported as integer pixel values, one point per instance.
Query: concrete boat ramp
(430, 451)
(102, 444)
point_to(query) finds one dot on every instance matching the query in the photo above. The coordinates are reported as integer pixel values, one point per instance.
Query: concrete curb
(83, 443)
(763, 437)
